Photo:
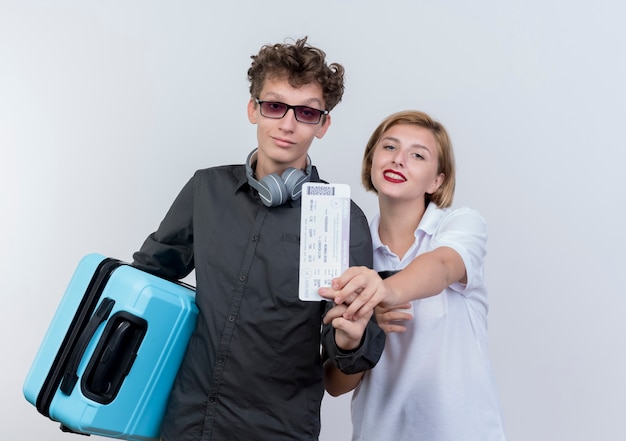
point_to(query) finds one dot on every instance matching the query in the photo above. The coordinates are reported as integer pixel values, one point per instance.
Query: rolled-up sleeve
(465, 231)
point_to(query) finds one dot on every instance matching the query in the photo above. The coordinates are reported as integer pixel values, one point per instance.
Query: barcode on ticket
(320, 190)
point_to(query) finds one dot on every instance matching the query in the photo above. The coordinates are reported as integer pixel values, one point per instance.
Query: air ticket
(324, 236)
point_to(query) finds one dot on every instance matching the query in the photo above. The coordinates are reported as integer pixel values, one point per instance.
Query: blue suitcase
(109, 358)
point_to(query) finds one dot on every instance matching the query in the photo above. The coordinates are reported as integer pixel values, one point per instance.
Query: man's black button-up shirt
(252, 370)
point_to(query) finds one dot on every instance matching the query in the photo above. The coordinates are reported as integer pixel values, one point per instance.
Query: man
(253, 369)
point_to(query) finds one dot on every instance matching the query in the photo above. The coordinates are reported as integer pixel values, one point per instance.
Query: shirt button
(220, 360)
(231, 318)
(242, 278)
(255, 238)
(212, 399)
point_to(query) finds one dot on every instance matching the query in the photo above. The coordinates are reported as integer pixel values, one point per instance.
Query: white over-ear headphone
(275, 190)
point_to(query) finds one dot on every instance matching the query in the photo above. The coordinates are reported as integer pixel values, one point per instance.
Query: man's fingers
(333, 313)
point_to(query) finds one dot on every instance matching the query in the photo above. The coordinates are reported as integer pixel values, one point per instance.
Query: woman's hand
(390, 319)
(361, 289)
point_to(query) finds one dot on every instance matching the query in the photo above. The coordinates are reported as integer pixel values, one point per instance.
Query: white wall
(106, 109)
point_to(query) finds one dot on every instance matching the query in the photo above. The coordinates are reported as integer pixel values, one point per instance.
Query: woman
(434, 381)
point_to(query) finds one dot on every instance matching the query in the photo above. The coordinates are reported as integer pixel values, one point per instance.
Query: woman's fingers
(391, 320)
(372, 292)
(360, 288)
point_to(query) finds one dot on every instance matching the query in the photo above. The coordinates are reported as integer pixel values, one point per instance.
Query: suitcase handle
(101, 381)
(113, 357)
(70, 377)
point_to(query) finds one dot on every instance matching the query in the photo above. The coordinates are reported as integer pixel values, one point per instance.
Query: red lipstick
(393, 176)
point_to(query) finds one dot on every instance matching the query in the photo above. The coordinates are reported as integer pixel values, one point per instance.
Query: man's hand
(348, 333)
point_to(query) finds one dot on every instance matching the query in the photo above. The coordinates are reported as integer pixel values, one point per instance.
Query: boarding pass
(324, 236)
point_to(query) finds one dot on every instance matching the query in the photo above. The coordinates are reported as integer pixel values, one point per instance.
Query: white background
(108, 107)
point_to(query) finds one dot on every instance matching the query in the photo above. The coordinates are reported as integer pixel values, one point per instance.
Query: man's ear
(252, 114)
(323, 127)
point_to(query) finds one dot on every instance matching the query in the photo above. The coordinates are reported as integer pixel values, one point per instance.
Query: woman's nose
(398, 159)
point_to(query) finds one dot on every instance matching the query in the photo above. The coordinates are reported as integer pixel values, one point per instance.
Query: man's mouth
(283, 142)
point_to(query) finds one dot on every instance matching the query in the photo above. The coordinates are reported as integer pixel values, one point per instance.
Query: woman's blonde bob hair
(445, 194)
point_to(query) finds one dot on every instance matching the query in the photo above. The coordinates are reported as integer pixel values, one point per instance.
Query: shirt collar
(240, 176)
(374, 224)
(428, 224)
(430, 219)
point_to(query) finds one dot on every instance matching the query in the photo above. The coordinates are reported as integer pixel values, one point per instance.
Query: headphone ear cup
(293, 179)
(273, 192)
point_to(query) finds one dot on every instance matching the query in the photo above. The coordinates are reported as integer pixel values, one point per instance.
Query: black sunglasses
(277, 110)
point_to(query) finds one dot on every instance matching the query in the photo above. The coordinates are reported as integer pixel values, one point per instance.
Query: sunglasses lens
(307, 114)
(273, 110)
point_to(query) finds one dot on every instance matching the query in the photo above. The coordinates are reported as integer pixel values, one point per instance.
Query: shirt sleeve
(168, 252)
(368, 353)
(465, 231)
